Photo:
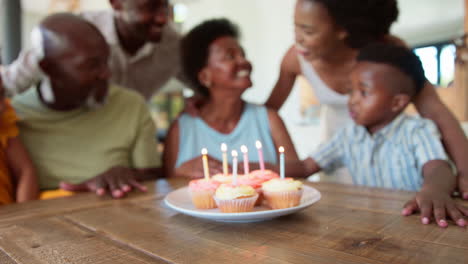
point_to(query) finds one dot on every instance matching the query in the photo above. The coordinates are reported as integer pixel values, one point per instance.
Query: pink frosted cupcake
(255, 183)
(282, 193)
(235, 198)
(265, 175)
(202, 191)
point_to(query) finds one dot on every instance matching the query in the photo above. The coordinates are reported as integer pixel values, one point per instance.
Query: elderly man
(82, 133)
(144, 48)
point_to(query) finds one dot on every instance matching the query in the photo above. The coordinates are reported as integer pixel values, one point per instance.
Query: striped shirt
(145, 72)
(391, 158)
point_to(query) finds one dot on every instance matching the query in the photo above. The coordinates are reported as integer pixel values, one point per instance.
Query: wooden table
(348, 225)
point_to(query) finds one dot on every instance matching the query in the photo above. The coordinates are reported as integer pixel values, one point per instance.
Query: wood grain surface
(348, 225)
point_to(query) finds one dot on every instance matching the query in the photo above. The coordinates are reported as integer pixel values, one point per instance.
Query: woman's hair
(365, 21)
(195, 48)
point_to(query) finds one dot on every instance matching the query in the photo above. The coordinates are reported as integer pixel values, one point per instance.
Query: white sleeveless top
(334, 113)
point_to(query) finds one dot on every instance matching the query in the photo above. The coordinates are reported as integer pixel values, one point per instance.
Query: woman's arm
(434, 196)
(171, 150)
(294, 167)
(289, 70)
(430, 106)
(190, 169)
(23, 171)
(280, 135)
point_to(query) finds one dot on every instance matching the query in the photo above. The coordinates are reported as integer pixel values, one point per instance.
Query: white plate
(180, 201)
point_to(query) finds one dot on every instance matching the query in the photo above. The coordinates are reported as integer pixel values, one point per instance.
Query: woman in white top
(329, 34)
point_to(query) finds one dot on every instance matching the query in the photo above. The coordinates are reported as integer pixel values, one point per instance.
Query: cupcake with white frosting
(235, 198)
(282, 193)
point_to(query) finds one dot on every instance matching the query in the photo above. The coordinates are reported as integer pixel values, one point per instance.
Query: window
(438, 62)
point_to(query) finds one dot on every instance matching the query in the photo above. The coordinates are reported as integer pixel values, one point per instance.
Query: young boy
(386, 148)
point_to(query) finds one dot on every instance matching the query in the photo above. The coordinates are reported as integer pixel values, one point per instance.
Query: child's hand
(439, 204)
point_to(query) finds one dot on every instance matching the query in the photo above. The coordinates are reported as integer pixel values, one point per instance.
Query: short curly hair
(195, 48)
(365, 21)
(399, 57)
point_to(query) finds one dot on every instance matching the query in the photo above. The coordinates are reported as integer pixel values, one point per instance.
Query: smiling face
(316, 33)
(226, 69)
(144, 18)
(375, 97)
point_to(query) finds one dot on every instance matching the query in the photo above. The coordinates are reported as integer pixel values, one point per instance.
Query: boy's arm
(302, 169)
(329, 155)
(23, 171)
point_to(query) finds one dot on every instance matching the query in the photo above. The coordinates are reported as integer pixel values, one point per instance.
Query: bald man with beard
(83, 133)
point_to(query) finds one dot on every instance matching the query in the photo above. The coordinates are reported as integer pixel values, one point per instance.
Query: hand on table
(440, 205)
(117, 180)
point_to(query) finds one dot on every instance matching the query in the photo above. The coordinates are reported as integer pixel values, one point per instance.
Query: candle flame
(258, 144)
(223, 147)
(281, 149)
(244, 149)
(234, 153)
(204, 151)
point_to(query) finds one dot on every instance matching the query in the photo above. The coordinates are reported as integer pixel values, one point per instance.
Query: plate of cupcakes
(260, 195)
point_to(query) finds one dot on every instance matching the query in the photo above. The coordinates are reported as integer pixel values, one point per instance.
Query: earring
(207, 84)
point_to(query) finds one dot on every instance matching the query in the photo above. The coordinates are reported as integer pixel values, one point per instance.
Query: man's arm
(144, 152)
(21, 74)
(144, 161)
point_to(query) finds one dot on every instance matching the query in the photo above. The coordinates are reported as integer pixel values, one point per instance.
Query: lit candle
(281, 153)
(225, 162)
(258, 144)
(234, 167)
(245, 151)
(206, 171)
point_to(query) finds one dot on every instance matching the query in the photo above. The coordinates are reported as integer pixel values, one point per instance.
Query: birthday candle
(281, 152)
(246, 159)
(258, 144)
(206, 171)
(225, 162)
(234, 167)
